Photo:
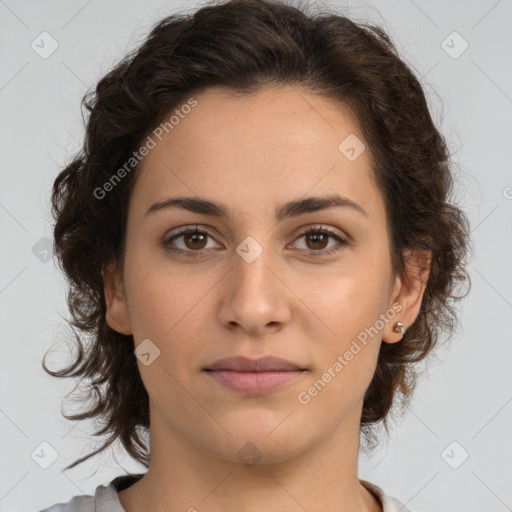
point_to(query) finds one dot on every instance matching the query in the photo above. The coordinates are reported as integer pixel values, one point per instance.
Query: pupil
(193, 235)
(315, 239)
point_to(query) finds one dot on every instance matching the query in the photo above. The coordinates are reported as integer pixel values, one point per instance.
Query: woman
(259, 237)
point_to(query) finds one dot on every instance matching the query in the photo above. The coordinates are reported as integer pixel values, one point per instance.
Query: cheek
(350, 306)
(161, 294)
(169, 308)
(347, 348)
(348, 299)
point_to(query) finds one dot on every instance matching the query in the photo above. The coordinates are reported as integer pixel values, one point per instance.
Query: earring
(399, 327)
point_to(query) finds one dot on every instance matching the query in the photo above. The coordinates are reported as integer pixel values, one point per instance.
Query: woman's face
(255, 284)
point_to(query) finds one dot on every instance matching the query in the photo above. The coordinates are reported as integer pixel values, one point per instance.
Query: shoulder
(105, 498)
(75, 504)
(389, 503)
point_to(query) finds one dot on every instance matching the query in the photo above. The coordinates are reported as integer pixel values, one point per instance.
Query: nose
(254, 298)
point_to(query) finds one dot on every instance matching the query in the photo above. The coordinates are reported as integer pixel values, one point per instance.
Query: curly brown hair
(245, 45)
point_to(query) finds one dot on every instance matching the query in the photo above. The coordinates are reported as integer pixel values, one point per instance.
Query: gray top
(105, 498)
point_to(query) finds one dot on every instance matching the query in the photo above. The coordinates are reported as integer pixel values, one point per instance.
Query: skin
(253, 154)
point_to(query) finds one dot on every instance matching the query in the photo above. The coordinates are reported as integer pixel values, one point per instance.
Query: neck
(186, 477)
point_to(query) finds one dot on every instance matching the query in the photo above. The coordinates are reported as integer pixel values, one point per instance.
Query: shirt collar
(107, 499)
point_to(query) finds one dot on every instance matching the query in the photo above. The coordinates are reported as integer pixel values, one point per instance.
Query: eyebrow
(287, 210)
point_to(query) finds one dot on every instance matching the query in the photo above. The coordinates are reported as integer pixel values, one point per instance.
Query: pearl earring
(399, 327)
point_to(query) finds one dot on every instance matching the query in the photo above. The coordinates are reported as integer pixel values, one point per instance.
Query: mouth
(254, 382)
(254, 376)
(263, 364)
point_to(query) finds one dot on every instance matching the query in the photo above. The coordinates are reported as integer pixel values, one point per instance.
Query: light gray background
(465, 398)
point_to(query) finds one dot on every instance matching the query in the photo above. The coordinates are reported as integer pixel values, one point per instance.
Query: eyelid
(322, 227)
(341, 239)
(183, 230)
(210, 231)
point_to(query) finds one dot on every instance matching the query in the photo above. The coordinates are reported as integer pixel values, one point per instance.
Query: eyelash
(166, 242)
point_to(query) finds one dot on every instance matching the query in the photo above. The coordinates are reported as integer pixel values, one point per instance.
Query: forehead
(272, 145)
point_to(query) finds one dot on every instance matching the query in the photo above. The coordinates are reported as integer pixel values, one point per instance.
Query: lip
(254, 376)
(254, 382)
(262, 364)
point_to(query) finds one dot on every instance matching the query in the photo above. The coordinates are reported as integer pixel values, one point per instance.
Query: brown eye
(317, 239)
(194, 241)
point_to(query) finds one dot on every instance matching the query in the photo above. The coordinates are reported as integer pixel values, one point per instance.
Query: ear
(117, 315)
(408, 290)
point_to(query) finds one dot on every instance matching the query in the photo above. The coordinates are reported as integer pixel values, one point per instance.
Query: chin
(258, 444)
